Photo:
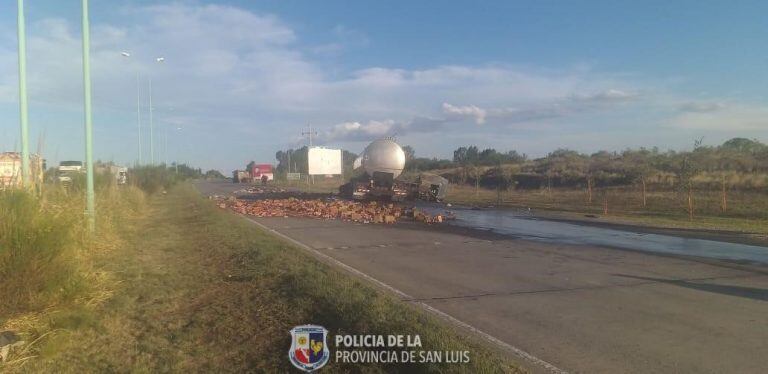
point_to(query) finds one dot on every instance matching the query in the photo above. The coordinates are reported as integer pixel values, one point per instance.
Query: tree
(515, 158)
(460, 155)
(637, 166)
(297, 157)
(410, 154)
(743, 145)
(213, 174)
(685, 171)
(477, 173)
(466, 155)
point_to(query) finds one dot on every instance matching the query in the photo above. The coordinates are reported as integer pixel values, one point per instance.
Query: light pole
(90, 198)
(25, 180)
(138, 107)
(151, 123)
(165, 152)
(138, 112)
(151, 128)
(176, 162)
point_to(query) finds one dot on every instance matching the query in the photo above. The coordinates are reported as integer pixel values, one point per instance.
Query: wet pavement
(520, 225)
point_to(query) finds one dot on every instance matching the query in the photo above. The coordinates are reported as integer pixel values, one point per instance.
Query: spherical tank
(385, 156)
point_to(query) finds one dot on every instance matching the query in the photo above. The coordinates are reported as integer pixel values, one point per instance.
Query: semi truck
(67, 170)
(256, 173)
(382, 163)
(262, 173)
(241, 176)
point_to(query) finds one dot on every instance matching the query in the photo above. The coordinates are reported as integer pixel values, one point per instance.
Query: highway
(559, 306)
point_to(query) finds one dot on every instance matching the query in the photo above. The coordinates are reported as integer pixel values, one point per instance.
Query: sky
(242, 79)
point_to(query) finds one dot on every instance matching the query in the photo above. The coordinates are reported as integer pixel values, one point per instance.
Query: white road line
(519, 352)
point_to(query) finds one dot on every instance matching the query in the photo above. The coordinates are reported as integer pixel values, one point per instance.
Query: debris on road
(260, 190)
(422, 216)
(354, 211)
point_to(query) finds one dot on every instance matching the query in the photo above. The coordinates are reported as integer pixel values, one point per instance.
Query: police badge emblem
(309, 350)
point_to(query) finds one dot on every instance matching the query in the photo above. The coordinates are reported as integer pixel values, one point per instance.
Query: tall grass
(47, 255)
(37, 243)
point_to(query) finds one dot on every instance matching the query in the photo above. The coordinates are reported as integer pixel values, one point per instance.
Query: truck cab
(67, 170)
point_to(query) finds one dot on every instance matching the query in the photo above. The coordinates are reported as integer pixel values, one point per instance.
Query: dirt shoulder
(202, 290)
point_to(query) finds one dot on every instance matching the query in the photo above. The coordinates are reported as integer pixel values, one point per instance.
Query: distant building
(10, 169)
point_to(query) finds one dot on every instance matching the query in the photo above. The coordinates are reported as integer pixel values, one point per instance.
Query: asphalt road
(581, 308)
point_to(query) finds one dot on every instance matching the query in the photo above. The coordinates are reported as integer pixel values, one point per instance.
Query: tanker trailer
(382, 161)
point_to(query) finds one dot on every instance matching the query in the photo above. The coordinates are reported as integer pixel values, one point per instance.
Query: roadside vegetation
(722, 187)
(171, 283)
(49, 276)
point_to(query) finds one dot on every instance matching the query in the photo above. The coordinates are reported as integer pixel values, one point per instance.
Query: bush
(152, 179)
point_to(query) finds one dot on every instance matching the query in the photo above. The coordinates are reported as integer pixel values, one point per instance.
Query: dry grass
(198, 289)
(747, 211)
(47, 261)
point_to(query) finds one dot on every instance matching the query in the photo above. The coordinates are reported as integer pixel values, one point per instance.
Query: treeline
(156, 178)
(462, 156)
(738, 162)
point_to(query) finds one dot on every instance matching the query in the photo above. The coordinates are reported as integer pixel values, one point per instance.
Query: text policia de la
(391, 349)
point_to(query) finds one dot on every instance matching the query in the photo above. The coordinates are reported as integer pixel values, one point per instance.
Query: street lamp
(25, 180)
(165, 149)
(176, 162)
(151, 123)
(90, 196)
(138, 106)
(138, 111)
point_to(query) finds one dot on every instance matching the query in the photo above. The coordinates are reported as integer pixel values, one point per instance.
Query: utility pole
(90, 198)
(151, 127)
(309, 133)
(138, 111)
(25, 179)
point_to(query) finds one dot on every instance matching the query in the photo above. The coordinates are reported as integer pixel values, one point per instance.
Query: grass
(49, 277)
(195, 288)
(747, 210)
(36, 249)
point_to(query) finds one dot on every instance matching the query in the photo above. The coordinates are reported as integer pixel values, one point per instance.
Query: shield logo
(309, 350)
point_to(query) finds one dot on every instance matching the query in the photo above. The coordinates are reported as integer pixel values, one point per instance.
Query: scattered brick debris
(353, 211)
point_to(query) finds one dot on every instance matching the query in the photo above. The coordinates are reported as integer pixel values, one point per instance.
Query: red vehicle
(262, 172)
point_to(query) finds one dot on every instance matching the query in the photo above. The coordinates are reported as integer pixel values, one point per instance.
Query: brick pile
(353, 211)
(371, 212)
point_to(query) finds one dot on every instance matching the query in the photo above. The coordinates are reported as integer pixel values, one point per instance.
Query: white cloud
(356, 131)
(701, 107)
(609, 95)
(731, 119)
(471, 111)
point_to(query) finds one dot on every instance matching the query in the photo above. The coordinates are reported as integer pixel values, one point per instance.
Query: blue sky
(241, 78)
